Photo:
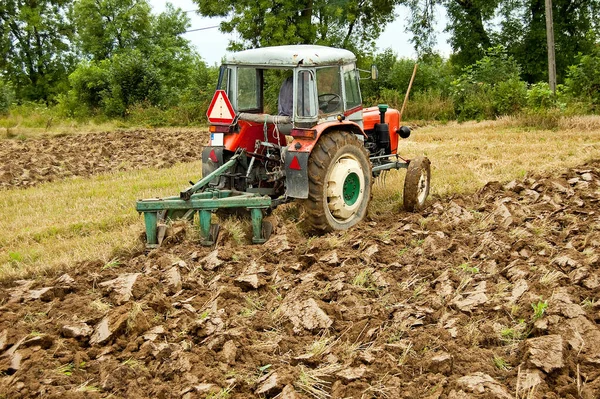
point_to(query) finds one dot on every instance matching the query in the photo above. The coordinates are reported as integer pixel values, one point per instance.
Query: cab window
(305, 105)
(351, 87)
(329, 90)
(248, 89)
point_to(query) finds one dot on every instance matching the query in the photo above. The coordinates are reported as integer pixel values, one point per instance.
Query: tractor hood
(291, 56)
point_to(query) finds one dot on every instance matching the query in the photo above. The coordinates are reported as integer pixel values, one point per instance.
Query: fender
(209, 154)
(298, 152)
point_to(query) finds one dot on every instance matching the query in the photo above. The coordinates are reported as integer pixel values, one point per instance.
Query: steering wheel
(329, 102)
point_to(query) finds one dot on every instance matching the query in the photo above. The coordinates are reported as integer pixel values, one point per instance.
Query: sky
(211, 43)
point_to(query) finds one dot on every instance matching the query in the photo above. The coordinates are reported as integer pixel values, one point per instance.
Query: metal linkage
(205, 203)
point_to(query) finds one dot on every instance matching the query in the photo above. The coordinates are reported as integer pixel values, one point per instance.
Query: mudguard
(296, 174)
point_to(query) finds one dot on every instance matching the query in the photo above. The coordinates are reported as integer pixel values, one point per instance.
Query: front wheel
(416, 184)
(339, 175)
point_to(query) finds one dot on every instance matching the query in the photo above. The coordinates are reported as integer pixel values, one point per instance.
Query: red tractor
(321, 148)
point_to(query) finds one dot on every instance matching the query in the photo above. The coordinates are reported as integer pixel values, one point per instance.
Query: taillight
(218, 129)
(304, 133)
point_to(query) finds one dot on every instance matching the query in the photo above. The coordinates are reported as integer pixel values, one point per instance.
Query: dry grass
(465, 156)
(60, 223)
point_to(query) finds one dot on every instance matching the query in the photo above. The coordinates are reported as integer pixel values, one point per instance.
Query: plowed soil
(493, 295)
(29, 162)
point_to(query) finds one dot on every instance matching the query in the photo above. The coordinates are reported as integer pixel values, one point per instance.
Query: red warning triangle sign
(220, 111)
(295, 164)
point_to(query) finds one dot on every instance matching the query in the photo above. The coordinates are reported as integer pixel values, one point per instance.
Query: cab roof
(291, 56)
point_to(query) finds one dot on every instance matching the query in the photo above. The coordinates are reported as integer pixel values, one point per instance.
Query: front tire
(416, 184)
(339, 180)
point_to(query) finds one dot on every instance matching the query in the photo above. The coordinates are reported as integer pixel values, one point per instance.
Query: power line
(204, 28)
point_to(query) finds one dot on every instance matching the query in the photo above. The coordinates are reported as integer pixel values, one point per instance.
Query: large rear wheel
(339, 178)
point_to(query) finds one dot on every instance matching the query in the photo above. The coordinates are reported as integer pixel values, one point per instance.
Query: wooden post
(551, 55)
(412, 79)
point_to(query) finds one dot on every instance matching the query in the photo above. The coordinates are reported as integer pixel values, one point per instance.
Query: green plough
(201, 199)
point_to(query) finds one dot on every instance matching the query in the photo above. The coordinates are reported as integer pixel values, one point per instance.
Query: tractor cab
(308, 84)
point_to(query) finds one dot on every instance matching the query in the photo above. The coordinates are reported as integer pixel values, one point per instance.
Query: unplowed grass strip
(60, 223)
(466, 156)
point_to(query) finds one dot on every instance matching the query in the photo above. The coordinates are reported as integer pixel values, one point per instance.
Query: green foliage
(540, 96)
(490, 87)
(539, 309)
(107, 26)
(583, 79)
(35, 42)
(7, 95)
(352, 24)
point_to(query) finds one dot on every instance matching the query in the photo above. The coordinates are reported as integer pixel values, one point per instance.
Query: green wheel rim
(351, 189)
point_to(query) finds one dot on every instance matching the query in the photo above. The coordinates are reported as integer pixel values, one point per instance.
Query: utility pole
(551, 55)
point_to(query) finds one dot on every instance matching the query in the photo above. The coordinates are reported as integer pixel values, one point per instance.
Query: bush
(509, 97)
(7, 95)
(583, 79)
(430, 105)
(490, 87)
(539, 96)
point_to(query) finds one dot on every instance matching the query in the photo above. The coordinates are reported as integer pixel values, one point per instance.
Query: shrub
(490, 87)
(509, 97)
(539, 96)
(7, 95)
(583, 78)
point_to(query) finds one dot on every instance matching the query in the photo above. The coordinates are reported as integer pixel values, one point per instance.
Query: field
(492, 291)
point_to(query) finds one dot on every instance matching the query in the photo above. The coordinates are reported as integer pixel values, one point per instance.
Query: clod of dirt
(15, 363)
(248, 282)
(211, 261)
(19, 292)
(79, 330)
(441, 363)
(153, 333)
(330, 258)
(546, 352)
(3, 340)
(173, 280)
(101, 332)
(278, 243)
(582, 335)
(43, 341)
(518, 290)
(529, 380)
(306, 315)
(122, 287)
(475, 298)
(45, 294)
(288, 392)
(481, 383)
(370, 251)
(229, 352)
(270, 384)
(352, 373)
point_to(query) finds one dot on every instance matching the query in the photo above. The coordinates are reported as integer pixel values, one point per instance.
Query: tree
(352, 24)
(35, 38)
(519, 25)
(107, 26)
(132, 56)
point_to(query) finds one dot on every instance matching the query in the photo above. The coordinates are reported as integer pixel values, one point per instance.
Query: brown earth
(494, 295)
(29, 162)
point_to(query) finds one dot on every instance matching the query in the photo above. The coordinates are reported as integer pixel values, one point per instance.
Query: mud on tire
(416, 184)
(339, 181)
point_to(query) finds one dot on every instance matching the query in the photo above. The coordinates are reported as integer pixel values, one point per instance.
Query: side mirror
(374, 72)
